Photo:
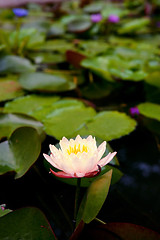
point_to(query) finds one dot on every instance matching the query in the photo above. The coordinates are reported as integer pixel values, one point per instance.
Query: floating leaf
(30, 104)
(47, 57)
(116, 231)
(153, 79)
(15, 64)
(94, 7)
(109, 67)
(95, 197)
(133, 25)
(46, 82)
(20, 151)
(109, 125)
(9, 122)
(129, 231)
(59, 45)
(10, 89)
(64, 121)
(150, 110)
(79, 25)
(29, 223)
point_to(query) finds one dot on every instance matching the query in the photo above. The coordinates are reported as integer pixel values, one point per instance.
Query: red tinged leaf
(117, 231)
(74, 58)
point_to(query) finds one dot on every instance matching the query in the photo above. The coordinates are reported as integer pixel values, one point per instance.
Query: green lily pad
(10, 89)
(30, 104)
(45, 82)
(150, 110)
(133, 25)
(47, 57)
(153, 79)
(109, 67)
(29, 223)
(9, 122)
(79, 25)
(20, 152)
(95, 197)
(109, 125)
(94, 7)
(15, 64)
(64, 121)
(59, 45)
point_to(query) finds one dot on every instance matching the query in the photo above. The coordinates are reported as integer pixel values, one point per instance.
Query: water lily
(20, 12)
(78, 158)
(134, 111)
(97, 17)
(113, 18)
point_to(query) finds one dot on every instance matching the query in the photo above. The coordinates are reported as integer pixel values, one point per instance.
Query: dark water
(135, 198)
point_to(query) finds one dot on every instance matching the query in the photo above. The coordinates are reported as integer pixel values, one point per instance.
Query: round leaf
(109, 125)
(46, 82)
(150, 110)
(64, 121)
(79, 25)
(9, 122)
(15, 64)
(30, 104)
(10, 89)
(20, 151)
(128, 231)
(29, 223)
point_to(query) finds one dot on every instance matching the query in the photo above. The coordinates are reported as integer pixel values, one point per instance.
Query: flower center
(76, 149)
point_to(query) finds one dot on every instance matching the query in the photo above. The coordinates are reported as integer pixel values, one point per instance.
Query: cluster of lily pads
(76, 68)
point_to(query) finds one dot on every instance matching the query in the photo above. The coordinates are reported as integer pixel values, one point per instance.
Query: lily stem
(77, 198)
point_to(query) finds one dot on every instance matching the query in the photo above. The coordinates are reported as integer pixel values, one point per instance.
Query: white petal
(78, 138)
(51, 161)
(106, 159)
(64, 143)
(101, 149)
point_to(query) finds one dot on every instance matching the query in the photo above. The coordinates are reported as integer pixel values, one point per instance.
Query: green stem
(77, 198)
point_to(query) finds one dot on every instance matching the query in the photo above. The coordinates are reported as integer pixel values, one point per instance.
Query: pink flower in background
(97, 17)
(113, 18)
(78, 158)
(134, 111)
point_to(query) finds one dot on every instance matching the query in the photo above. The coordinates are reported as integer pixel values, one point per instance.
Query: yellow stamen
(77, 149)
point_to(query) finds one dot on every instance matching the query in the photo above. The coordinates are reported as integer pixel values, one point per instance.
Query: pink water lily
(78, 158)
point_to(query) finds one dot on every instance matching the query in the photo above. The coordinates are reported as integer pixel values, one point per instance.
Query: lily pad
(29, 104)
(153, 79)
(47, 57)
(9, 122)
(10, 89)
(64, 121)
(29, 223)
(59, 45)
(79, 25)
(134, 25)
(45, 82)
(150, 110)
(109, 125)
(109, 67)
(15, 64)
(118, 230)
(20, 152)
